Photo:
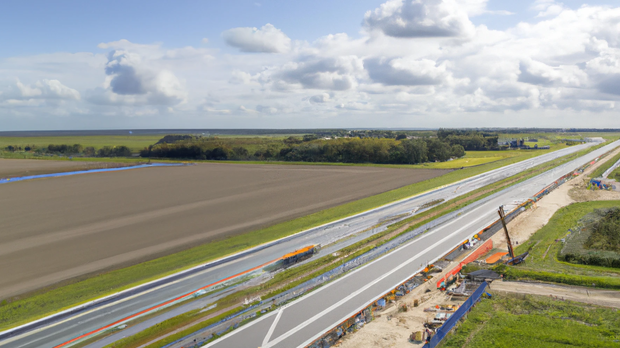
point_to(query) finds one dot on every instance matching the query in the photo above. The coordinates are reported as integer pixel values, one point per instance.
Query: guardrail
(366, 314)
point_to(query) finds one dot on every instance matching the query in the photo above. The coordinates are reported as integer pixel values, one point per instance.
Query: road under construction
(301, 322)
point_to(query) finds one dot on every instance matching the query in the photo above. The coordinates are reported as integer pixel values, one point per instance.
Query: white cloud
(129, 81)
(405, 71)
(42, 89)
(423, 18)
(338, 73)
(320, 98)
(415, 62)
(267, 39)
(267, 109)
(547, 8)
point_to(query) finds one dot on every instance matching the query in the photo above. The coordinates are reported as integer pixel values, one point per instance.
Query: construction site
(423, 310)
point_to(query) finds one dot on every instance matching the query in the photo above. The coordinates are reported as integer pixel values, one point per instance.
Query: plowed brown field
(24, 167)
(61, 228)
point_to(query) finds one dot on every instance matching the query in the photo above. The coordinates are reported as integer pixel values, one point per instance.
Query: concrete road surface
(306, 319)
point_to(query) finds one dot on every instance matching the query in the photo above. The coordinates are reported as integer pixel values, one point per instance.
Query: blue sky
(118, 64)
(32, 27)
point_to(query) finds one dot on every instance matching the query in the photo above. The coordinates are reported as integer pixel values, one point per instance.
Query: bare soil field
(23, 167)
(61, 228)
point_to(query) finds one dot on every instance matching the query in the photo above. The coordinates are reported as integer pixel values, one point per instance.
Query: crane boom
(502, 215)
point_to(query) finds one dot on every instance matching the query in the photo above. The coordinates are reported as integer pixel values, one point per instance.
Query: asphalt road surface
(301, 322)
(285, 335)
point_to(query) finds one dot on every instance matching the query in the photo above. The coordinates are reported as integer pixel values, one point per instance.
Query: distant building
(594, 139)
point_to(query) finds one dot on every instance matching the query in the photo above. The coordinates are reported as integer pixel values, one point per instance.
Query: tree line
(75, 149)
(310, 149)
(471, 140)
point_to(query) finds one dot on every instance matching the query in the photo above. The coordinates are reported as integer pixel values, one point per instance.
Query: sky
(309, 64)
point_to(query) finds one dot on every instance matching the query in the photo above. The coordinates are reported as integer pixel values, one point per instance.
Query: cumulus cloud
(539, 73)
(267, 109)
(130, 81)
(337, 73)
(42, 89)
(547, 8)
(422, 18)
(563, 62)
(267, 39)
(405, 71)
(320, 98)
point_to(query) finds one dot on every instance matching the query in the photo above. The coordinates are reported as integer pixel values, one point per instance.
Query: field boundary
(88, 171)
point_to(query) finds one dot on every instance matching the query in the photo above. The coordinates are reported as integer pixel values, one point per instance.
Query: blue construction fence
(443, 331)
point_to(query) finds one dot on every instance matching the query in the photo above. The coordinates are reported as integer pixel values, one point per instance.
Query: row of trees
(352, 150)
(471, 140)
(75, 149)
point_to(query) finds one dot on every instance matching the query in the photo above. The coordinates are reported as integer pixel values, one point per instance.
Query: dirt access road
(61, 228)
(24, 167)
(605, 298)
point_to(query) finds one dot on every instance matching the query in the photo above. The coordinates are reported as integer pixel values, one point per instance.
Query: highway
(306, 319)
(57, 332)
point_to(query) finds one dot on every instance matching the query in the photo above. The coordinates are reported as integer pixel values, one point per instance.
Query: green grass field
(518, 321)
(544, 241)
(543, 263)
(615, 175)
(134, 142)
(600, 170)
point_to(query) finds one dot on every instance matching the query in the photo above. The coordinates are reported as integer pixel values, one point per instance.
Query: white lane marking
(400, 249)
(273, 327)
(367, 286)
(25, 334)
(415, 240)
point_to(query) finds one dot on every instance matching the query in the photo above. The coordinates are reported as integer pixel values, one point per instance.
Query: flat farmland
(24, 167)
(62, 228)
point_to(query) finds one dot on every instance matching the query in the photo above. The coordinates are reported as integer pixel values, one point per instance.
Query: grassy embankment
(615, 175)
(543, 263)
(600, 170)
(535, 321)
(299, 274)
(50, 300)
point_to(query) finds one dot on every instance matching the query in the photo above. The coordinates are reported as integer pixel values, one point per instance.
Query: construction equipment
(513, 260)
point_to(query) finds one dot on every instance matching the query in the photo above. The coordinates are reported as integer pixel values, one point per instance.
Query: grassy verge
(544, 249)
(50, 300)
(600, 170)
(615, 175)
(291, 278)
(535, 321)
